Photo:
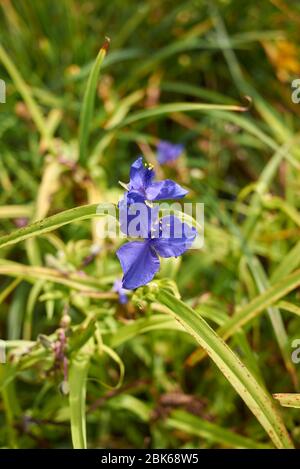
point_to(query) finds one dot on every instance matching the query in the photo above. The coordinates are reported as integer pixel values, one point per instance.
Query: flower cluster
(167, 237)
(122, 292)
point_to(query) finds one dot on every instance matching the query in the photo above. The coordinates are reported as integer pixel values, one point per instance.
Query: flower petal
(123, 298)
(140, 176)
(139, 263)
(168, 152)
(174, 238)
(166, 189)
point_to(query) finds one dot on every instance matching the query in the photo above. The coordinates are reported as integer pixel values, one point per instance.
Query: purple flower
(168, 238)
(142, 187)
(168, 152)
(136, 217)
(140, 259)
(122, 292)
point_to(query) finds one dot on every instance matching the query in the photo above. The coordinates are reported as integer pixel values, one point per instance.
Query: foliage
(83, 369)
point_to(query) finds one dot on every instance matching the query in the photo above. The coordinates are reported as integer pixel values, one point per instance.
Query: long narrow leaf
(249, 312)
(188, 423)
(55, 221)
(77, 383)
(164, 109)
(255, 397)
(288, 400)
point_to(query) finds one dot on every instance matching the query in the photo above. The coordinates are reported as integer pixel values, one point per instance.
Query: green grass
(202, 356)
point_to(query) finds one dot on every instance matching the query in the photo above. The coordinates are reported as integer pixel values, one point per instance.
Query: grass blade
(77, 383)
(188, 423)
(55, 221)
(288, 400)
(88, 104)
(249, 312)
(262, 284)
(164, 109)
(25, 92)
(255, 397)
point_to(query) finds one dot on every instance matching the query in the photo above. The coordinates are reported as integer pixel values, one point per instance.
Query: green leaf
(132, 404)
(78, 373)
(141, 326)
(188, 423)
(259, 304)
(55, 221)
(278, 203)
(274, 314)
(255, 397)
(164, 109)
(15, 211)
(288, 400)
(288, 263)
(290, 307)
(25, 92)
(31, 273)
(252, 310)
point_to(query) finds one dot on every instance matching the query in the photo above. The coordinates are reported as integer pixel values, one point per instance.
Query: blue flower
(140, 259)
(142, 187)
(122, 292)
(168, 238)
(136, 217)
(168, 152)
